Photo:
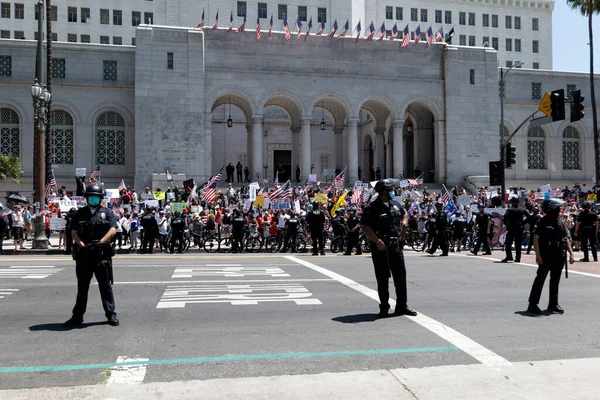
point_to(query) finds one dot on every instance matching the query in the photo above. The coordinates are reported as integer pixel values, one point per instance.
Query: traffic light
(511, 155)
(496, 173)
(557, 104)
(577, 106)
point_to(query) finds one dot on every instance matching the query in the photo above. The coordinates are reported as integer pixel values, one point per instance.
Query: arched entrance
(375, 120)
(368, 155)
(419, 135)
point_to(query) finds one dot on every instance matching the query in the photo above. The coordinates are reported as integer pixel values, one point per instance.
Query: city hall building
(194, 100)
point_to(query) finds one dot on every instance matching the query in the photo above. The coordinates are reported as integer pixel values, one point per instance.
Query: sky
(570, 40)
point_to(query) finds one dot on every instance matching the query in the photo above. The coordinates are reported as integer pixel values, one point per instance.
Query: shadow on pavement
(353, 319)
(58, 327)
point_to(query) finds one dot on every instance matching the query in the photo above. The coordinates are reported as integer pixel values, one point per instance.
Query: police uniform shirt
(482, 220)
(316, 220)
(459, 225)
(383, 219)
(551, 231)
(177, 225)
(238, 224)
(352, 222)
(586, 219)
(149, 223)
(441, 221)
(292, 224)
(93, 225)
(514, 217)
(338, 223)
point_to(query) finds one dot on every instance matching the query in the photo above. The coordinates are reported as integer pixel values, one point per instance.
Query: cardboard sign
(280, 204)
(545, 188)
(312, 178)
(159, 195)
(66, 204)
(177, 207)
(112, 193)
(591, 196)
(58, 224)
(147, 196)
(151, 203)
(321, 198)
(297, 206)
(464, 200)
(80, 172)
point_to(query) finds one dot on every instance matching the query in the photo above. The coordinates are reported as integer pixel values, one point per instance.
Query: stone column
(296, 149)
(379, 148)
(305, 138)
(389, 172)
(338, 161)
(257, 146)
(398, 156)
(352, 150)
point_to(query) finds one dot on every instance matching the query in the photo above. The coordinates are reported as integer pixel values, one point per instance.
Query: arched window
(570, 148)
(110, 139)
(62, 137)
(9, 132)
(536, 148)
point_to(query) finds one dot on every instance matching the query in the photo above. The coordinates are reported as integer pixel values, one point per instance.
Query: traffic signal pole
(502, 143)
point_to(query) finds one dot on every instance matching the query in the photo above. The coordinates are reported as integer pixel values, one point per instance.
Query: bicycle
(211, 242)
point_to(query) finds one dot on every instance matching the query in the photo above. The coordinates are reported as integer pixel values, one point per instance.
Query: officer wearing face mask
(384, 222)
(93, 227)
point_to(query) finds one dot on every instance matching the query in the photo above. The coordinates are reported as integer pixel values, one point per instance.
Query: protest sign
(158, 195)
(545, 188)
(357, 185)
(177, 207)
(464, 200)
(297, 206)
(259, 201)
(58, 224)
(195, 209)
(147, 196)
(112, 193)
(591, 196)
(66, 204)
(329, 172)
(280, 204)
(404, 183)
(151, 203)
(81, 202)
(312, 178)
(80, 172)
(247, 205)
(321, 198)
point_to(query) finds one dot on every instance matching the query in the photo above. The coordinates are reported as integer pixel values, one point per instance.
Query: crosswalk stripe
(28, 272)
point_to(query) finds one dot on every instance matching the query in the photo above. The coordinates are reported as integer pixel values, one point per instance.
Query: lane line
(223, 281)
(122, 374)
(248, 357)
(469, 346)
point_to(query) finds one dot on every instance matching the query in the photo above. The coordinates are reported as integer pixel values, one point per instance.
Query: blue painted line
(201, 360)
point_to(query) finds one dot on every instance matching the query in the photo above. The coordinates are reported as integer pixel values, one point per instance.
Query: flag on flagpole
(122, 185)
(95, 175)
(439, 35)
(345, 29)
(299, 27)
(382, 31)
(445, 195)
(258, 34)
(405, 37)
(283, 192)
(340, 203)
(309, 28)
(210, 193)
(270, 35)
(370, 33)
(417, 35)
(321, 29)
(338, 181)
(450, 207)
(286, 29)
(429, 37)
(201, 24)
(216, 25)
(242, 27)
(394, 32)
(52, 179)
(231, 21)
(420, 179)
(450, 36)
(358, 31)
(276, 181)
(357, 198)
(193, 195)
(334, 29)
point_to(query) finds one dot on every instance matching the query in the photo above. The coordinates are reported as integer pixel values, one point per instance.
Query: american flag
(338, 181)
(204, 219)
(357, 198)
(276, 181)
(242, 27)
(269, 34)
(309, 28)
(231, 21)
(258, 34)
(321, 29)
(299, 27)
(417, 35)
(193, 195)
(358, 31)
(439, 35)
(445, 195)
(210, 193)
(394, 32)
(345, 29)
(216, 25)
(334, 29)
(429, 37)
(95, 175)
(370, 32)
(286, 29)
(201, 24)
(283, 192)
(420, 179)
(52, 179)
(382, 31)
(406, 37)
(122, 185)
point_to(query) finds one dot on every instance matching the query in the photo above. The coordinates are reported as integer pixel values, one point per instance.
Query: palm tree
(588, 8)
(10, 168)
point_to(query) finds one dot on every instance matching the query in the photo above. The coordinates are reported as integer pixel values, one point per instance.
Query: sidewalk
(547, 380)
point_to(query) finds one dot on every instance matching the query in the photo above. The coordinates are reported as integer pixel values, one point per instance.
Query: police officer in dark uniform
(291, 233)
(238, 226)
(484, 228)
(93, 227)
(440, 239)
(148, 222)
(177, 229)
(68, 230)
(384, 223)
(339, 227)
(514, 218)
(532, 221)
(316, 223)
(585, 230)
(459, 226)
(551, 242)
(353, 226)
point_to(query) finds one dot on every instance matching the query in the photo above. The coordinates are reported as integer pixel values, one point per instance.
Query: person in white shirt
(17, 227)
(162, 222)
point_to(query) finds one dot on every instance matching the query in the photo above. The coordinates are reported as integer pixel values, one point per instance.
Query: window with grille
(495, 43)
(570, 90)
(324, 159)
(494, 21)
(72, 14)
(399, 13)
(302, 13)
(518, 45)
(72, 37)
(136, 18)
(508, 44)
(9, 132)
(4, 34)
(536, 65)
(462, 18)
(5, 65)
(486, 41)
(84, 38)
(241, 8)
(472, 19)
(535, 46)
(117, 17)
(423, 15)
(471, 40)
(536, 148)
(438, 16)
(62, 137)
(448, 17)
(535, 24)
(110, 139)
(58, 67)
(508, 22)
(462, 40)
(262, 10)
(104, 40)
(536, 90)
(517, 22)
(19, 11)
(281, 11)
(509, 64)
(133, 41)
(110, 71)
(389, 12)
(321, 15)
(85, 15)
(5, 10)
(169, 60)
(118, 40)
(104, 17)
(148, 18)
(570, 149)
(414, 14)
(485, 20)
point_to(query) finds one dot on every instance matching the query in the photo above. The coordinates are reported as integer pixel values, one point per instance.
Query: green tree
(589, 8)
(10, 168)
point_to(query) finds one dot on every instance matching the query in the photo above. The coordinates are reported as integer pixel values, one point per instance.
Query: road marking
(224, 281)
(128, 371)
(7, 292)
(236, 294)
(235, 270)
(28, 272)
(248, 357)
(469, 346)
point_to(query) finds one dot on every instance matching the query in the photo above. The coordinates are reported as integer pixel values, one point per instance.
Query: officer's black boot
(534, 309)
(113, 321)
(73, 322)
(556, 309)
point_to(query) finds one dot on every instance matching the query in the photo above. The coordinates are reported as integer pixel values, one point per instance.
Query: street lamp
(229, 120)
(322, 117)
(503, 74)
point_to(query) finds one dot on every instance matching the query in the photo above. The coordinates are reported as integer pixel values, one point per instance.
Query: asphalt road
(201, 317)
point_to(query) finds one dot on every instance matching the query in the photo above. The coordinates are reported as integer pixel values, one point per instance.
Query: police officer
(291, 233)
(93, 227)
(384, 223)
(339, 227)
(459, 226)
(148, 222)
(316, 222)
(484, 228)
(585, 230)
(514, 219)
(441, 223)
(532, 221)
(353, 226)
(238, 226)
(68, 230)
(177, 229)
(551, 242)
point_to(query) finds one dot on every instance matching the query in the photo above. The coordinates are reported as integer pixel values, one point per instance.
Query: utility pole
(49, 147)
